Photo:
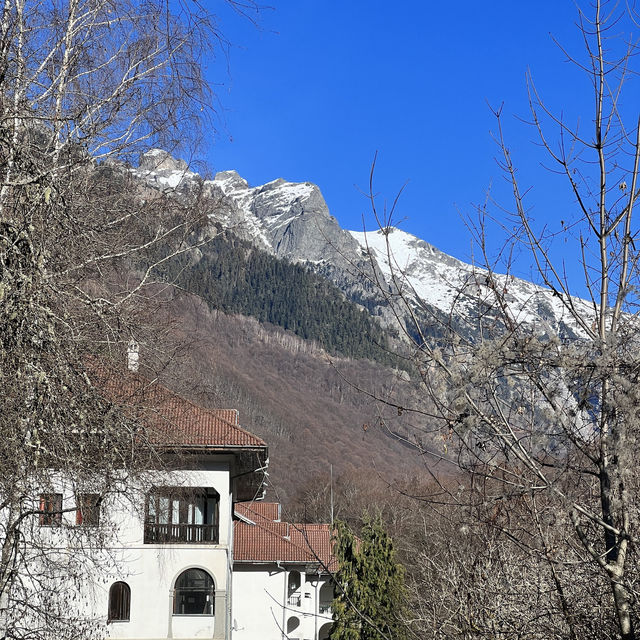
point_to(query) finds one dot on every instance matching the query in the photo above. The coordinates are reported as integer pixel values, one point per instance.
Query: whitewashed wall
(151, 570)
(261, 609)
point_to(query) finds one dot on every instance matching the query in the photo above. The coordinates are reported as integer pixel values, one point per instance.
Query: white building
(173, 569)
(281, 576)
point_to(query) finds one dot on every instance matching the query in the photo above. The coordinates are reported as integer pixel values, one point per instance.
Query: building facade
(194, 553)
(282, 585)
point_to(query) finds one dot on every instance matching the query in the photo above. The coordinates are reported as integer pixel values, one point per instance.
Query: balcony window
(182, 516)
(293, 601)
(326, 598)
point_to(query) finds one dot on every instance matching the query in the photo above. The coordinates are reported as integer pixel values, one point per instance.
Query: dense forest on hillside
(235, 277)
(304, 405)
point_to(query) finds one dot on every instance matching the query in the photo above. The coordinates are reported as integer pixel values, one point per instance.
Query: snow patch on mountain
(428, 276)
(159, 169)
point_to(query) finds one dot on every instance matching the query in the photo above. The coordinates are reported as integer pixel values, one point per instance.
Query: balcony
(294, 601)
(180, 533)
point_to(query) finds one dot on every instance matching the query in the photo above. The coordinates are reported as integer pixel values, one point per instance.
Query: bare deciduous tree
(82, 83)
(546, 421)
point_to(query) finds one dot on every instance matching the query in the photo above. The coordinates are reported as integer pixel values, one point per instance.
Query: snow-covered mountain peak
(434, 279)
(292, 221)
(280, 198)
(160, 169)
(230, 181)
(428, 274)
(159, 160)
(405, 247)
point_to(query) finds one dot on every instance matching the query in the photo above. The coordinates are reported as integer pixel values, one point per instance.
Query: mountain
(292, 222)
(299, 316)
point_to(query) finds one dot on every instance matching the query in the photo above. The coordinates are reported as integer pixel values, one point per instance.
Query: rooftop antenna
(331, 490)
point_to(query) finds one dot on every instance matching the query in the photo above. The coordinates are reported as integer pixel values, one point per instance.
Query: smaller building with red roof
(282, 586)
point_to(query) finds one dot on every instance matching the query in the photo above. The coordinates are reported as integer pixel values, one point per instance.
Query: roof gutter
(216, 448)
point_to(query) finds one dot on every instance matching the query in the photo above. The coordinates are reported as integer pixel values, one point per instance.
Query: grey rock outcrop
(292, 221)
(159, 160)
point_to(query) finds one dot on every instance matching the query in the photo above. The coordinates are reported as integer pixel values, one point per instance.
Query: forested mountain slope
(235, 276)
(290, 392)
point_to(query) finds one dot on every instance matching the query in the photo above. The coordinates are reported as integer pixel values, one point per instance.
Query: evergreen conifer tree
(370, 592)
(347, 622)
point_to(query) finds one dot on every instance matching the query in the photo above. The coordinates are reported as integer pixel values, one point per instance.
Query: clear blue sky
(319, 86)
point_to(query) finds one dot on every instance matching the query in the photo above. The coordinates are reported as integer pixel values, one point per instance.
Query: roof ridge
(211, 412)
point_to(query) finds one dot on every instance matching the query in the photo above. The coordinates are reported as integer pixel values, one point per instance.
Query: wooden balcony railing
(180, 533)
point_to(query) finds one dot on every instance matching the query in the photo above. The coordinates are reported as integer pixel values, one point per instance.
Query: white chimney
(132, 355)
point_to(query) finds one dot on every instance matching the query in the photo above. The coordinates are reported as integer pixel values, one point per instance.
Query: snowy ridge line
(291, 220)
(438, 279)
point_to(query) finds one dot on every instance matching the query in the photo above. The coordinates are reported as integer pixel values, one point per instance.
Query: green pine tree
(347, 622)
(370, 593)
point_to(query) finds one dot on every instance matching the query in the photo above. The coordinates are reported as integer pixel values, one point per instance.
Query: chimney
(132, 356)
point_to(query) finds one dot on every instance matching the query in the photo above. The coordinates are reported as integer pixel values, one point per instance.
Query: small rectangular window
(88, 509)
(50, 509)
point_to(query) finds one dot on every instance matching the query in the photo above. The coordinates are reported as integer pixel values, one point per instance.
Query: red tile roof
(258, 511)
(269, 541)
(169, 419)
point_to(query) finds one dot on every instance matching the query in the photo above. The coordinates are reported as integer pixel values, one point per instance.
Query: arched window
(292, 624)
(326, 597)
(293, 589)
(194, 594)
(294, 581)
(119, 602)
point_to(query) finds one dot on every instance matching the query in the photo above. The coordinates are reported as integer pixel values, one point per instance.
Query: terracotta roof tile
(171, 420)
(267, 541)
(258, 511)
(259, 544)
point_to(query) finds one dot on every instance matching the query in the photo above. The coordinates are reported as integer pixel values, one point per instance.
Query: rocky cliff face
(292, 221)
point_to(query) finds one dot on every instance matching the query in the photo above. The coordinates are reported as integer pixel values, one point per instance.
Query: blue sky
(319, 86)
